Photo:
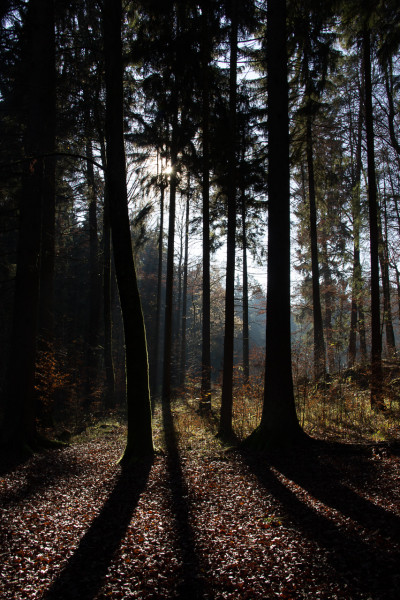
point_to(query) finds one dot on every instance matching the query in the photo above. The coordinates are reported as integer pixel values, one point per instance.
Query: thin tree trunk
(109, 399)
(319, 343)
(391, 114)
(387, 304)
(328, 296)
(47, 255)
(139, 436)
(356, 215)
(94, 279)
(376, 339)
(205, 401)
(166, 392)
(184, 292)
(246, 360)
(156, 370)
(225, 423)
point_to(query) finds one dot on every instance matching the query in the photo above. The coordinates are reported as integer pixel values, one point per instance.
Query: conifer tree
(139, 438)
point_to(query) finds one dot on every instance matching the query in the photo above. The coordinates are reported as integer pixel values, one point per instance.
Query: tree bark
(279, 424)
(139, 437)
(319, 342)
(156, 368)
(205, 401)
(182, 369)
(94, 278)
(376, 339)
(387, 303)
(246, 335)
(166, 391)
(109, 395)
(357, 316)
(225, 424)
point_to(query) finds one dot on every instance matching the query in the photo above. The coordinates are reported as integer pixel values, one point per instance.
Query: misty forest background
(196, 140)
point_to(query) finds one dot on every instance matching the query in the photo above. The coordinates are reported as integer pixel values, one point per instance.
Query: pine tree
(139, 437)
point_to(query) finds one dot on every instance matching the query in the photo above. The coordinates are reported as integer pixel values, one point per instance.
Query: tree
(376, 337)
(139, 438)
(225, 424)
(19, 427)
(206, 325)
(279, 424)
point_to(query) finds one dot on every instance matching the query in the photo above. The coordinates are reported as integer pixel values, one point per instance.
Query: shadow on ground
(191, 586)
(362, 544)
(82, 577)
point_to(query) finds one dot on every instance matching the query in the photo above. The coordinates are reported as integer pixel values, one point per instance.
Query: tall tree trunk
(47, 254)
(109, 399)
(319, 343)
(387, 304)
(279, 425)
(246, 360)
(182, 369)
(225, 423)
(391, 114)
(166, 392)
(156, 369)
(94, 278)
(45, 344)
(357, 316)
(139, 437)
(376, 339)
(205, 401)
(19, 427)
(328, 296)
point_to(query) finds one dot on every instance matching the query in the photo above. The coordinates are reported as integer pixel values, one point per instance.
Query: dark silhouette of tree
(19, 428)
(139, 438)
(279, 424)
(205, 402)
(225, 424)
(376, 338)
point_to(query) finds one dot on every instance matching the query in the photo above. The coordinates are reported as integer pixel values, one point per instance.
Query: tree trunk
(166, 392)
(182, 369)
(357, 275)
(246, 360)
(225, 424)
(205, 401)
(328, 296)
(156, 368)
(387, 304)
(279, 425)
(19, 427)
(47, 255)
(139, 437)
(319, 343)
(109, 396)
(391, 114)
(94, 279)
(376, 340)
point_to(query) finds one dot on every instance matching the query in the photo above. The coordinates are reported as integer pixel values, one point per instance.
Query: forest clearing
(201, 520)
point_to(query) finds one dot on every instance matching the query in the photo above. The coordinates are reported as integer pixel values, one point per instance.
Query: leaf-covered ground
(200, 522)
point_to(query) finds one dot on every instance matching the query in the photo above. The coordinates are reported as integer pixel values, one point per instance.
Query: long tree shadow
(191, 585)
(365, 568)
(85, 571)
(43, 470)
(329, 485)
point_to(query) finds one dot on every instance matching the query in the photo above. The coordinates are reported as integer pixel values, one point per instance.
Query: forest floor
(200, 521)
